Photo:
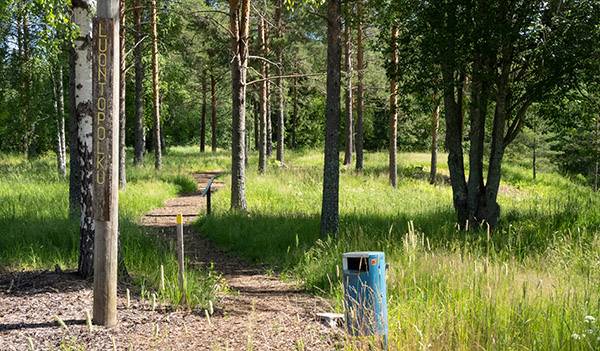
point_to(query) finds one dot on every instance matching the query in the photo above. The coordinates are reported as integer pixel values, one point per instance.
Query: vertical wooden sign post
(105, 95)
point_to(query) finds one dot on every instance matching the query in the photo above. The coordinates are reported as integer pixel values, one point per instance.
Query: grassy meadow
(36, 232)
(531, 284)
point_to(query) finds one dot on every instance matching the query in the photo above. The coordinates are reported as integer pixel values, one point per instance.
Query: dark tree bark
(139, 143)
(349, 141)
(331, 174)
(239, 19)
(360, 91)
(435, 125)
(478, 112)
(203, 124)
(393, 147)
(263, 148)
(156, 104)
(280, 112)
(213, 91)
(122, 105)
(295, 115)
(267, 52)
(256, 106)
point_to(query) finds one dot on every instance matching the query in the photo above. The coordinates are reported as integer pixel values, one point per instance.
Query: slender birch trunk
(394, 113)
(82, 17)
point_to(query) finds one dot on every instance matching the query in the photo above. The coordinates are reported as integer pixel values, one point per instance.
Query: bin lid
(361, 254)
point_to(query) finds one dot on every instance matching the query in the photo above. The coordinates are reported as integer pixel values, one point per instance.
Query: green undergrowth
(531, 284)
(36, 232)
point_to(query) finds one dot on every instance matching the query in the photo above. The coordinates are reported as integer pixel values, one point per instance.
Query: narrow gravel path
(262, 310)
(260, 313)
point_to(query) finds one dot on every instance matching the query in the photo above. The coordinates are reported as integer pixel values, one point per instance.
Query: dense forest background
(194, 52)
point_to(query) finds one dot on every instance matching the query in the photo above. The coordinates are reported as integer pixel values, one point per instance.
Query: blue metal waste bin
(365, 294)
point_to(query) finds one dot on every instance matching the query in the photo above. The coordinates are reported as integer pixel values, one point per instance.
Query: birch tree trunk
(74, 167)
(331, 172)
(82, 17)
(60, 122)
(262, 151)
(596, 153)
(394, 113)
(156, 101)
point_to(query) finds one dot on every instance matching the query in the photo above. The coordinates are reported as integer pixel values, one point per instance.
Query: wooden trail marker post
(206, 193)
(180, 256)
(105, 94)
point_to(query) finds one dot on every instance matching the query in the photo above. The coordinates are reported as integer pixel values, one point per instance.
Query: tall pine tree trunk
(331, 172)
(122, 105)
(360, 108)
(295, 115)
(263, 149)
(156, 101)
(203, 122)
(256, 106)
(139, 142)
(239, 19)
(267, 52)
(280, 112)
(84, 118)
(349, 141)
(394, 113)
(213, 92)
(435, 125)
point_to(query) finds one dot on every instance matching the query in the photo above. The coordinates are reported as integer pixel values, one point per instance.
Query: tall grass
(528, 285)
(36, 233)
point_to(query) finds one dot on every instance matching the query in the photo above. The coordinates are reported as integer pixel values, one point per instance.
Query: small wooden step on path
(261, 312)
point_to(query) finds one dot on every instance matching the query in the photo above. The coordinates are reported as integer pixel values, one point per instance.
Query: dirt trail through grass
(260, 311)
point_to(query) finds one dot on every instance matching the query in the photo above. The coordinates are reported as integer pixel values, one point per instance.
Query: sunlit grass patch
(530, 285)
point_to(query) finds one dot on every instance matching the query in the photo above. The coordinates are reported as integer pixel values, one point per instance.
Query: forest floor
(258, 311)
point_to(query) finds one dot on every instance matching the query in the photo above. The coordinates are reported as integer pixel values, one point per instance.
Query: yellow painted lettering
(98, 148)
(101, 74)
(101, 103)
(98, 177)
(100, 117)
(99, 159)
(100, 31)
(102, 59)
(101, 134)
